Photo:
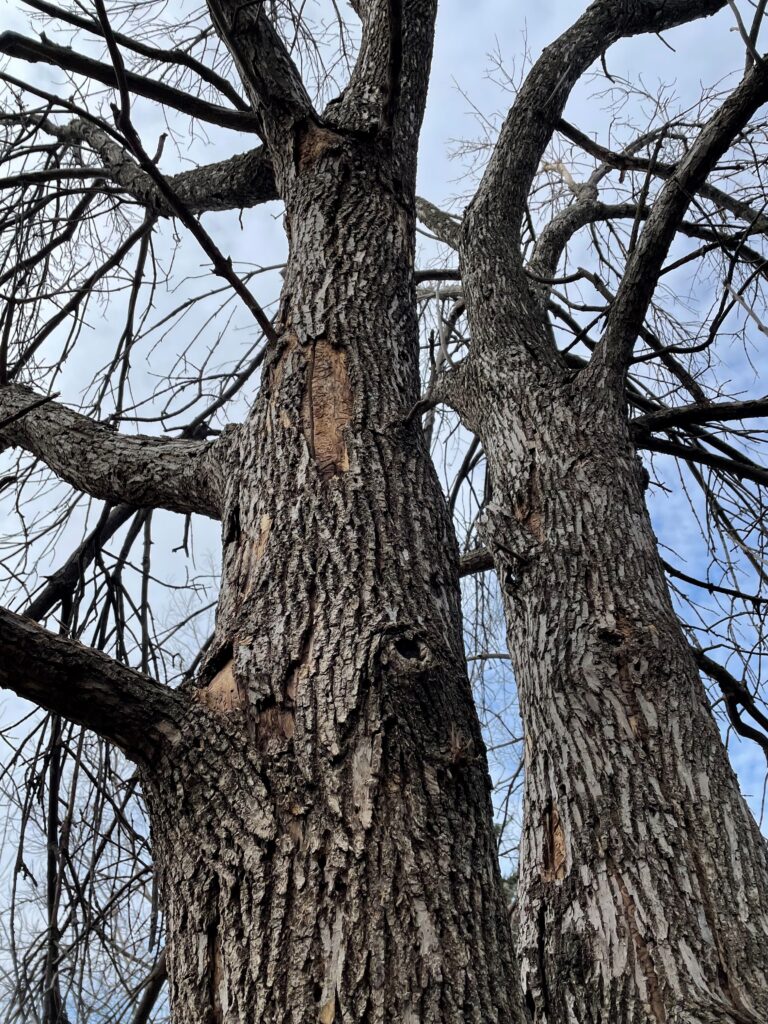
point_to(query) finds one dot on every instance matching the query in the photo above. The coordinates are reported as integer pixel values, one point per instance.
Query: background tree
(322, 843)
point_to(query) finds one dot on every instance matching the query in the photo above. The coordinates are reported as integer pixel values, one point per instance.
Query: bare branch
(689, 453)
(59, 586)
(241, 181)
(627, 162)
(442, 225)
(140, 471)
(15, 45)
(684, 415)
(639, 281)
(163, 56)
(268, 73)
(88, 687)
(737, 697)
(534, 115)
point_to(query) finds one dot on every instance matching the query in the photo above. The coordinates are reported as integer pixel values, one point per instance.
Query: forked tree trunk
(644, 879)
(322, 825)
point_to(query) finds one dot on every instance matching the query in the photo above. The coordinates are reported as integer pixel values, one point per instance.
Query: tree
(317, 784)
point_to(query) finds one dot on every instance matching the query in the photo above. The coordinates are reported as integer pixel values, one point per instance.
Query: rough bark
(86, 686)
(323, 828)
(180, 475)
(644, 879)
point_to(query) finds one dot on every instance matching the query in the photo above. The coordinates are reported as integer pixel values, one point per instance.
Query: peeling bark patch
(222, 694)
(328, 409)
(265, 526)
(554, 846)
(311, 143)
(328, 1011)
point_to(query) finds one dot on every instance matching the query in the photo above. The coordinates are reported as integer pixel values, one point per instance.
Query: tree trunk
(644, 879)
(322, 824)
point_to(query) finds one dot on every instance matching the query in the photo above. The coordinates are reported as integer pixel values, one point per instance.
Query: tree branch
(31, 50)
(241, 181)
(639, 281)
(59, 585)
(179, 57)
(626, 162)
(736, 696)
(513, 325)
(88, 687)
(141, 471)
(504, 189)
(742, 470)
(269, 75)
(442, 225)
(685, 415)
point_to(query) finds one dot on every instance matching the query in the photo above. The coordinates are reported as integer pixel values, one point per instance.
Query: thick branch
(88, 687)
(442, 225)
(14, 45)
(142, 471)
(541, 100)
(639, 281)
(270, 77)
(685, 415)
(388, 84)
(241, 181)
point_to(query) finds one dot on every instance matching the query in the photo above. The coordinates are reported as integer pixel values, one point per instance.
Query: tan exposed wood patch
(554, 846)
(528, 510)
(328, 409)
(275, 722)
(313, 142)
(328, 1011)
(222, 694)
(265, 526)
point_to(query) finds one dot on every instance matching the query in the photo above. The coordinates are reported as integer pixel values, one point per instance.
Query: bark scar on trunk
(528, 508)
(327, 409)
(554, 845)
(310, 143)
(222, 694)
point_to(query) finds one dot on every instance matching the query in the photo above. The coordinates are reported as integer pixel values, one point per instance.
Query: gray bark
(323, 828)
(319, 794)
(644, 878)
